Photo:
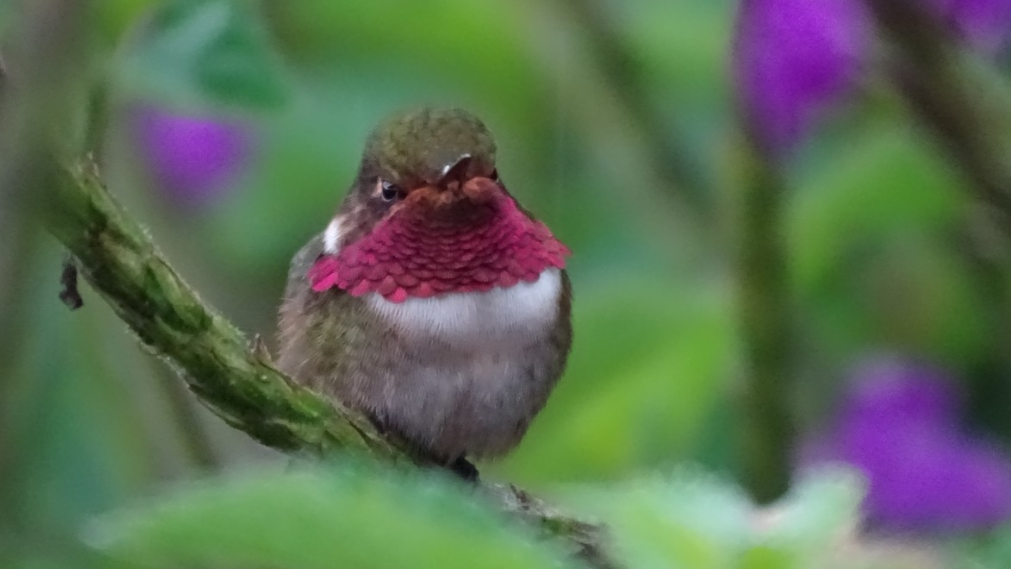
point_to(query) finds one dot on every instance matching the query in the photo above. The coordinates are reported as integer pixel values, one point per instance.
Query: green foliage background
(622, 143)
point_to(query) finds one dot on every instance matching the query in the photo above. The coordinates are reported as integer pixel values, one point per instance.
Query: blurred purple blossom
(792, 59)
(900, 425)
(892, 389)
(193, 159)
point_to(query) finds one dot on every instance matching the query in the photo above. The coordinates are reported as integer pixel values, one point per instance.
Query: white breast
(504, 317)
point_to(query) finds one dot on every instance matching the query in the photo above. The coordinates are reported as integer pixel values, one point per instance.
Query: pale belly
(477, 366)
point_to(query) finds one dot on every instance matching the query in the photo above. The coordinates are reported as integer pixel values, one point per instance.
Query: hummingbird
(432, 302)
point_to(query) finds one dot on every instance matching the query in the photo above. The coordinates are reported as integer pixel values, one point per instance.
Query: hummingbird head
(428, 215)
(427, 147)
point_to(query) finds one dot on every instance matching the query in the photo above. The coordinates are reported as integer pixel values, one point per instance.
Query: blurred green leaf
(819, 509)
(115, 17)
(76, 441)
(869, 256)
(206, 52)
(678, 46)
(5, 15)
(688, 519)
(308, 164)
(648, 365)
(354, 516)
(889, 183)
(694, 520)
(29, 551)
(990, 551)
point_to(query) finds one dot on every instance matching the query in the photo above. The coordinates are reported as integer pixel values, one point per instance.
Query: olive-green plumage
(413, 146)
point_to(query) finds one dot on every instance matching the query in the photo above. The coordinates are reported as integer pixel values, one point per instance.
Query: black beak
(456, 171)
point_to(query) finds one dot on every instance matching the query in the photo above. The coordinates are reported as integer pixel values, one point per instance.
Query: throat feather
(412, 255)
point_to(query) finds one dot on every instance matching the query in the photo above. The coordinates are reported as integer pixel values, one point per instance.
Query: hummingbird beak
(457, 184)
(456, 171)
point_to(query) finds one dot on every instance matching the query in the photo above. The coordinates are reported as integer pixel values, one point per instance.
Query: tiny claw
(259, 349)
(464, 469)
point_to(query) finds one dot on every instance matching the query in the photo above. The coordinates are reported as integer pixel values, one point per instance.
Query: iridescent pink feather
(408, 255)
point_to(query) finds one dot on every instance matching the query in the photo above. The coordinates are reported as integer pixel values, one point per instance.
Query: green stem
(766, 425)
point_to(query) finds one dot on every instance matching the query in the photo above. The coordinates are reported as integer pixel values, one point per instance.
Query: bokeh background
(235, 129)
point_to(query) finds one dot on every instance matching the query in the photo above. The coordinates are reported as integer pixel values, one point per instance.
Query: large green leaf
(353, 516)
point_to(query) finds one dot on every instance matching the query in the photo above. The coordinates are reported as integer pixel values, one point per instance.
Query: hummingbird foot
(464, 469)
(460, 466)
(259, 349)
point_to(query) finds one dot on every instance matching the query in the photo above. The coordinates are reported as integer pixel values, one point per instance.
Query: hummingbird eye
(389, 191)
(494, 175)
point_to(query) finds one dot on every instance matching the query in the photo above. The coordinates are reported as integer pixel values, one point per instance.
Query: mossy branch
(232, 376)
(229, 374)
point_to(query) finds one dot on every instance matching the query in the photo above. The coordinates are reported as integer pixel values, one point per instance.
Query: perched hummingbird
(432, 302)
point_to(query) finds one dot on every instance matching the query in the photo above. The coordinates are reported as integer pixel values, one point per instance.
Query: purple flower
(889, 389)
(899, 425)
(193, 159)
(792, 59)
